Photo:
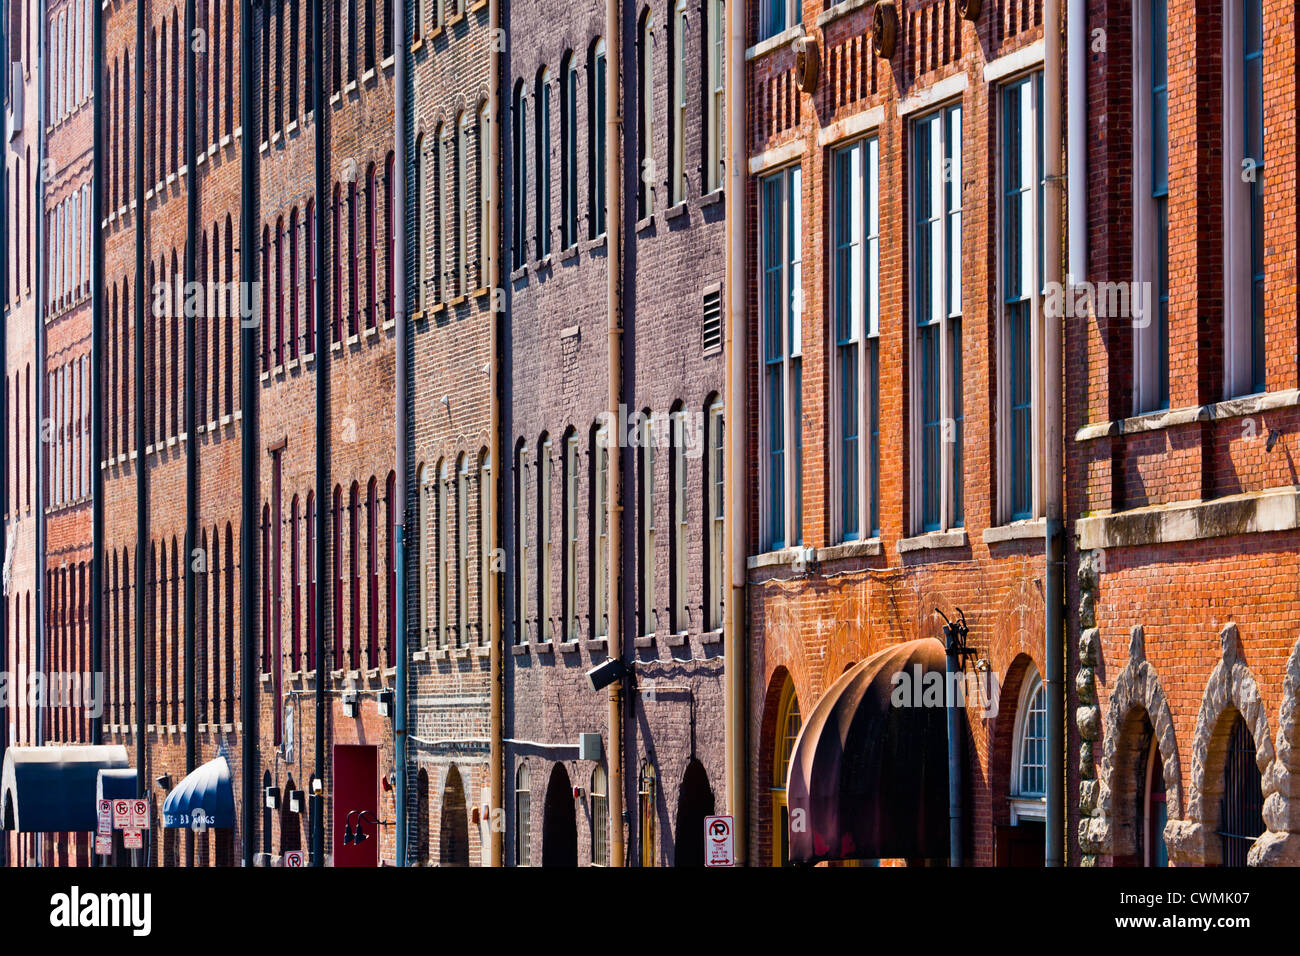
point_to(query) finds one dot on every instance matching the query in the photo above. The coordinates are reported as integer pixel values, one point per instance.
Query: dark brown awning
(871, 778)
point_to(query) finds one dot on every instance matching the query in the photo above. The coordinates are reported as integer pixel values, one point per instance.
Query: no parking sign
(719, 841)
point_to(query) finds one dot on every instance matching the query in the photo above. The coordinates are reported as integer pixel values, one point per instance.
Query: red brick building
(452, 164)
(1180, 435)
(895, 407)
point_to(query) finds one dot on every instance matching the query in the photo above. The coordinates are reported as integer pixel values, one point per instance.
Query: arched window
(354, 261)
(485, 498)
(422, 818)
(390, 243)
(279, 291)
(462, 211)
(545, 604)
(295, 661)
(523, 798)
(1154, 810)
(462, 550)
(422, 222)
(354, 589)
(372, 248)
(570, 567)
(1029, 753)
(646, 516)
(310, 266)
(715, 504)
(599, 531)
(266, 589)
(679, 524)
(543, 110)
(336, 244)
(266, 298)
(677, 108)
(434, 238)
(372, 574)
(311, 581)
(483, 188)
(569, 149)
(645, 115)
(422, 548)
(446, 559)
(293, 283)
(1241, 808)
(599, 818)
(788, 723)
(519, 112)
(336, 520)
(596, 138)
(521, 543)
(390, 565)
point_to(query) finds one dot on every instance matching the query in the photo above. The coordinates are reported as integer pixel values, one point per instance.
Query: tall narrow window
(422, 224)
(1029, 753)
(936, 291)
(599, 818)
(371, 304)
(569, 149)
(523, 840)
(600, 532)
(647, 509)
(521, 544)
(486, 181)
(856, 304)
(354, 261)
(543, 109)
(782, 350)
(310, 266)
(464, 123)
(486, 493)
(680, 526)
(776, 16)
(570, 537)
(520, 114)
(1151, 205)
(1022, 283)
(462, 551)
(677, 108)
(716, 135)
(422, 544)
(446, 558)
(715, 571)
(1243, 150)
(1241, 816)
(596, 139)
(433, 246)
(545, 605)
(646, 114)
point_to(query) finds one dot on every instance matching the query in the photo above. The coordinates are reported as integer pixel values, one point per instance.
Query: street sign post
(140, 814)
(133, 839)
(122, 814)
(719, 841)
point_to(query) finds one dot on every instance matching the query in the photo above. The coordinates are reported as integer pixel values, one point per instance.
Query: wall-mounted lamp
(385, 703)
(349, 704)
(296, 800)
(272, 798)
(356, 836)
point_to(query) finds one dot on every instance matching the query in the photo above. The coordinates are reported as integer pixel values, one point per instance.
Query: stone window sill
(1028, 529)
(764, 47)
(1171, 417)
(933, 541)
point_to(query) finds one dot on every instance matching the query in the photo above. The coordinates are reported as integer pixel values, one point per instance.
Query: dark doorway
(1241, 809)
(559, 822)
(290, 831)
(454, 831)
(694, 803)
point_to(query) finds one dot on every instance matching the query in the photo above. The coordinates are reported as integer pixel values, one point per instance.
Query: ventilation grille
(712, 332)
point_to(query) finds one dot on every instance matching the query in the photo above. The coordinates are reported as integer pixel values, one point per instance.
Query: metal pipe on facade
(248, 381)
(496, 702)
(613, 443)
(4, 417)
(1076, 52)
(734, 423)
(97, 351)
(141, 466)
(954, 672)
(190, 412)
(1053, 448)
(397, 189)
(322, 423)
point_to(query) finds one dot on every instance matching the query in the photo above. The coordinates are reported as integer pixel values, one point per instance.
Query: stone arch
(1280, 844)
(1230, 690)
(1136, 693)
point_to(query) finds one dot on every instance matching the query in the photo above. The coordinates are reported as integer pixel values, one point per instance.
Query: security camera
(605, 673)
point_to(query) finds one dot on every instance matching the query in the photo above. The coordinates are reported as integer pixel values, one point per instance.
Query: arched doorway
(290, 828)
(559, 822)
(453, 838)
(694, 803)
(1241, 807)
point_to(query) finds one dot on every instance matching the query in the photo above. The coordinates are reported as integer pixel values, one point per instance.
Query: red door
(356, 788)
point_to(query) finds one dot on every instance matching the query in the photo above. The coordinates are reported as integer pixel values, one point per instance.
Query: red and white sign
(103, 844)
(122, 815)
(719, 841)
(133, 839)
(140, 814)
(104, 817)
(294, 859)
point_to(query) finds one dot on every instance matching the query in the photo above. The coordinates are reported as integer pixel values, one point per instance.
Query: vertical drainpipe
(734, 651)
(97, 352)
(317, 801)
(613, 443)
(141, 464)
(248, 379)
(1054, 592)
(191, 411)
(40, 399)
(397, 276)
(496, 702)
(4, 417)
(1076, 51)
(956, 742)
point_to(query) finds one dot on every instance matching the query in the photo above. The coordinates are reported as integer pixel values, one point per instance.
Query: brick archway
(1231, 688)
(1137, 691)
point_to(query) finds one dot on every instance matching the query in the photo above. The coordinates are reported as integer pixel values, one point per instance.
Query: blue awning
(54, 789)
(205, 795)
(116, 785)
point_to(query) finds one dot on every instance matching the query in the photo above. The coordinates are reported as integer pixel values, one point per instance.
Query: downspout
(191, 411)
(614, 446)
(317, 801)
(496, 703)
(39, 398)
(248, 380)
(397, 192)
(4, 417)
(735, 546)
(97, 352)
(1053, 590)
(954, 672)
(141, 465)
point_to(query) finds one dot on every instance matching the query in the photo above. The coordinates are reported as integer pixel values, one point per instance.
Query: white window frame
(646, 93)
(791, 349)
(941, 256)
(1026, 805)
(485, 495)
(791, 12)
(486, 182)
(717, 516)
(864, 295)
(521, 543)
(422, 485)
(677, 108)
(600, 540)
(1147, 354)
(446, 562)
(463, 124)
(462, 551)
(680, 521)
(544, 592)
(571, 510)
(715, 71)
